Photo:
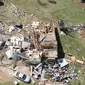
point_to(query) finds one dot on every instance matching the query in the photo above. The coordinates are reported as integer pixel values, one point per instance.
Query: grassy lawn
(68, 10)
(74, 45)
(9, 83)
(80, 80)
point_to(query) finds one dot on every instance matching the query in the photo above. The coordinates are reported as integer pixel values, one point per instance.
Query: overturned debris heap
(39, 50)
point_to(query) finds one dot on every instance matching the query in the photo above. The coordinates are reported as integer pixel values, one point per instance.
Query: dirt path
(6, 75)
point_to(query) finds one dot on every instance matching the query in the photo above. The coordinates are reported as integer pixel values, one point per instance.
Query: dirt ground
(6, 74)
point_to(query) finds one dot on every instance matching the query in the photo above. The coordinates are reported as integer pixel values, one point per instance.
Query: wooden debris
(35, 39)
(48, 45)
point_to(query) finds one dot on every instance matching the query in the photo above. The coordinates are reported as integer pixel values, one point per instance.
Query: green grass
(68, 10)
(9, 83)
(80, 80)
(71, 44)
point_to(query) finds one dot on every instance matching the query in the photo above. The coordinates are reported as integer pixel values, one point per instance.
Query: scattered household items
(22, 77)
(16, 45)
(16, 27)
(51, 70)
(11, 28)
(76, 27)
(16, 83)
(1, 27)
(52, 54)
(80, 61)
(53, 83)
(62, 33)
(74, 59)
(82, 33)
(9, 53)
(70, 58)
(34, 57)
(35, 24)
(19, 26)
(62, 62)
(12, 54)
(36, 50)
(61, 22)
(19, 42)
(2, 43)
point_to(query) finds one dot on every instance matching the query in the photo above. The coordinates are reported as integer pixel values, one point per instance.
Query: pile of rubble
(37, 49)
(53, 72)
(67, 29)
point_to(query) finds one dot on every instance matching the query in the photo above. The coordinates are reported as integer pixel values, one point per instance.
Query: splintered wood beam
(48, 45)
(35, 39)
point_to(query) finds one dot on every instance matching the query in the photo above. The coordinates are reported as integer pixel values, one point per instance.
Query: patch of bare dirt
(6, 75)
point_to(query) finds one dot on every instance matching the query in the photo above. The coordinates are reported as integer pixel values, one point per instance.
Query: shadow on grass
(67, 31)
(69, 34)
(52, 1)
(60, 50)
(42, 4)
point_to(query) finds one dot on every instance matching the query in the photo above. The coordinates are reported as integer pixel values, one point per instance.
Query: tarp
(62, 62)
